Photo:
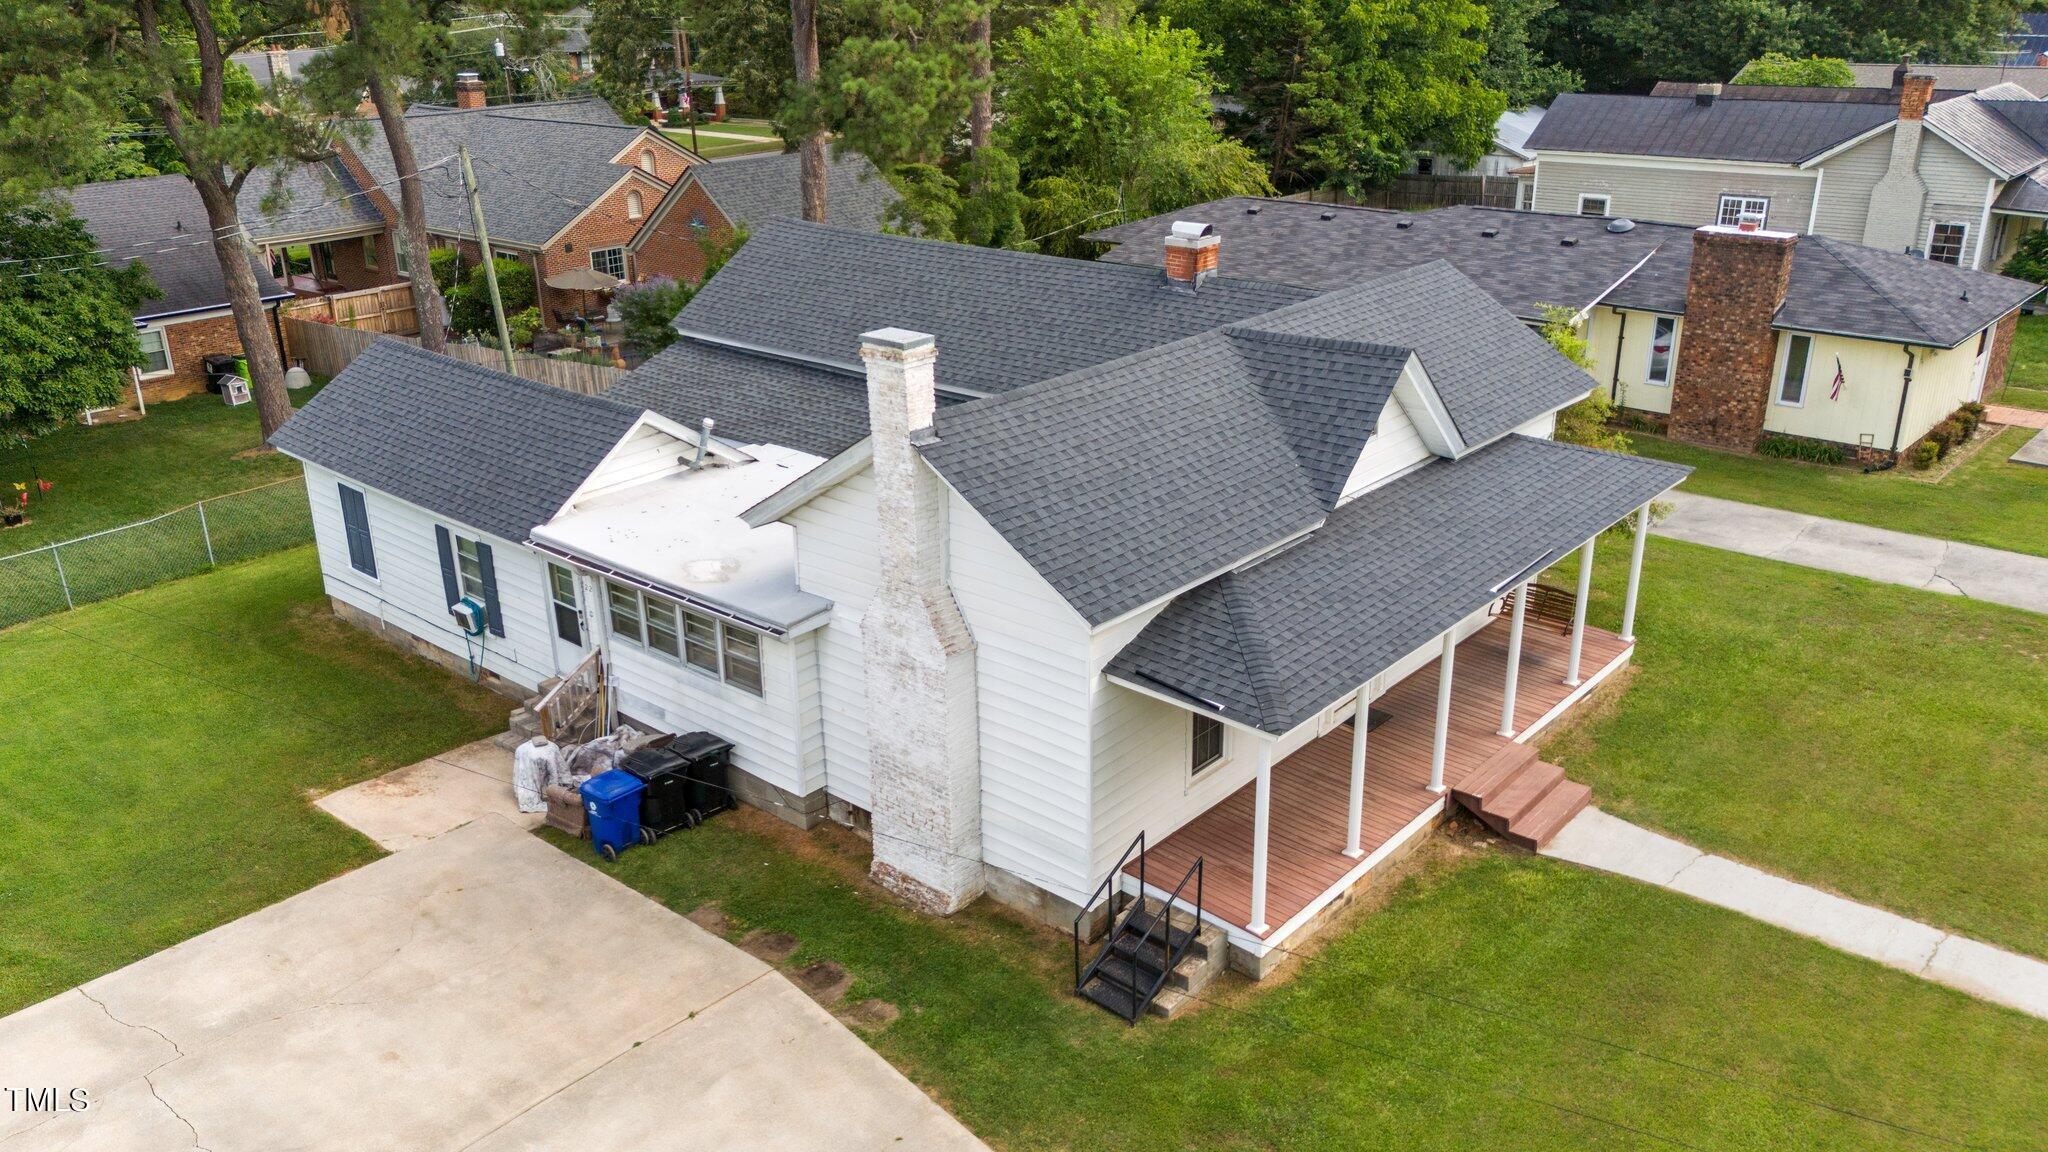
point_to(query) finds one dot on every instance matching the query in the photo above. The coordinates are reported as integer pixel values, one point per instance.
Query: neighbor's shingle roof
(1994, 127)
(1970, 76)
(1003, 319)
(1763, 131)
(1836, 286)
(1273, 643)
(482, 448)
(160, 221)
(537, 166)
(300, 200)
(753, 190)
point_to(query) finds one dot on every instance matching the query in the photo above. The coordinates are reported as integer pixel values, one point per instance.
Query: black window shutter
(355, 520)
(449, 586)
(483, 561)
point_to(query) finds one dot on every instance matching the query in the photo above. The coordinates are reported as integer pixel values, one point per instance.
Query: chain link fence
(192, 539)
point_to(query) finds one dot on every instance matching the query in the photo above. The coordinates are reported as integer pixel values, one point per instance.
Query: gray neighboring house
(1509, 152)
(1009, 559)
(1959, 180)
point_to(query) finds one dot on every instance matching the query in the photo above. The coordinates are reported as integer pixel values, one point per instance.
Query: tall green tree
(1514, 64)
(899, 86)
(66, 340)
(1797, 71)
(1115, 117)
(631, 40)
(1339, 93)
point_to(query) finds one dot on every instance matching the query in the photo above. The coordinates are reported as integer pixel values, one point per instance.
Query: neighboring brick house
(1725, 334)
(564, 184)
(713, 198)
(160, 221)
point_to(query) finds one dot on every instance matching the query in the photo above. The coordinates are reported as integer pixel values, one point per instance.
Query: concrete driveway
(481, 990)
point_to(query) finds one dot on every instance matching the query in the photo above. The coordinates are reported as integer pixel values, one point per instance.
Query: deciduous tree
(1797, 71)
(66, 340)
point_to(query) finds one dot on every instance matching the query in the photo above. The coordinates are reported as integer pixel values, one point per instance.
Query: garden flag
(1835, 393)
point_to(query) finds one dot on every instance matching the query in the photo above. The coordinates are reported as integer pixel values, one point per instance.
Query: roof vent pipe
(703, 443)
(1706, 94)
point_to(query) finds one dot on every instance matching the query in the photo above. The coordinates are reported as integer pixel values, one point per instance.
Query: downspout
(1620, 330)
(1899, 425)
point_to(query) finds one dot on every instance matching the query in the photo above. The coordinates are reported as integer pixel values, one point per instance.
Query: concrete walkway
(2009, 578)
(1598, 840)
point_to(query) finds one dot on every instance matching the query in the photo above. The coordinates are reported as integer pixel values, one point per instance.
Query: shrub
(1925, 454)
(469, 305)
(647, 307)
(446, 264)
(2029, 259)
(1971, 417)
(1793, 448)
(1946, 435)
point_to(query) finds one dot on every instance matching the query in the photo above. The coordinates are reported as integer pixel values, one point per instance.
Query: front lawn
(114, 474)
(2029, 365)
(160, 752)
(1498, 1001)
(1985, 500)
(1883, 742)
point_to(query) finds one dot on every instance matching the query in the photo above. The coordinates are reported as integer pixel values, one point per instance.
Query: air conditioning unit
(469, 616)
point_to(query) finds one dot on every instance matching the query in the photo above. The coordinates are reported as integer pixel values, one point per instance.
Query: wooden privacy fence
(326, 349)
(387, 309)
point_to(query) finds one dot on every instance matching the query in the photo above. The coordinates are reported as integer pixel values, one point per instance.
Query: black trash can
(217, 368)
(665, 804)
(706, 760)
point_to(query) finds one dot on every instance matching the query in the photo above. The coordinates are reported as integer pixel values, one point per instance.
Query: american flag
(1840, 379)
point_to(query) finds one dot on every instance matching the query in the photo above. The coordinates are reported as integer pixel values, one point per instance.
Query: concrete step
(1536, 826)
(524, 723)
(509, 741)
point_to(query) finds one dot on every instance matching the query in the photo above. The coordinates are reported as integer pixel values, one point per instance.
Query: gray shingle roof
(301, 200)
(1879, 95)
(2027, 194)
(753, 190)
(1764, 131)
(1273, 643)
(2004, 132)
(538, 165)
(160, 221)
(479, 447)
(1836, 286)
(1004, 319)
(1970, 76)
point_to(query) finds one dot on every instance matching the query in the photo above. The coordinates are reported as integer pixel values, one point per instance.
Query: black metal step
(1141, 922)
(1118, 1000)
(1142, 954)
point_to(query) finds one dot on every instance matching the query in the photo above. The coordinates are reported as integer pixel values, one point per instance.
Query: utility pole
(682, 47)
(483, 242)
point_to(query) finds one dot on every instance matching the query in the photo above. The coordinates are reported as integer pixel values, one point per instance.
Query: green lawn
(1887, 743)
(113, 474)
(159, 752)
(712, 144)
(2034, 398)
(1985, 500)
(2029, 367)
(1498, 1001)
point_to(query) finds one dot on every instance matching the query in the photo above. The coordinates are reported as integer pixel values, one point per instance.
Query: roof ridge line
(1860, 274)
(1251, 648)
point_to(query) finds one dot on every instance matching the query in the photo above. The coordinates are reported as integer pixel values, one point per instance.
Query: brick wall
(189, 342)
(1726, 349)
(352, 267)
(675, 248)
(2001, 354)
(606, 225)
(669, 163)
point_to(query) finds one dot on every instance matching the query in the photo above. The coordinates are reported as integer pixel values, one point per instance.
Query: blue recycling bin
(611, 804)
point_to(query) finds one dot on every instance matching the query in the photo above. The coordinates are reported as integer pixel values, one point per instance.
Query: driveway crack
(102, 1005)
(147, 1079)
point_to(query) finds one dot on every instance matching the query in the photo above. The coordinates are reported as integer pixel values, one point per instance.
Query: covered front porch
(1310, 859)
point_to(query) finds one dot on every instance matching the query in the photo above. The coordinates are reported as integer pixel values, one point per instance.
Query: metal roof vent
(1568, 242)
(1329, 215)
(1489, 233)
(1251, 210)
(1621, 224)
(1404, 223)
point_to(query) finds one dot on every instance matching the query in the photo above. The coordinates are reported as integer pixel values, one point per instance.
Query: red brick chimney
(1915, 93)
(469, 91)
(1726, 348)
(1193, 253)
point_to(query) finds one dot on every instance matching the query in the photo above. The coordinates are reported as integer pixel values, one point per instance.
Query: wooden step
(1535, 827)
(1523, 791)
(1491, 776)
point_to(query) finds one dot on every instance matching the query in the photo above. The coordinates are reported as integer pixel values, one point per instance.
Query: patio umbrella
(583, 279)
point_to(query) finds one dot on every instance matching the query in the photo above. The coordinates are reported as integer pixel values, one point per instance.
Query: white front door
(568, 624)
(1982, 368)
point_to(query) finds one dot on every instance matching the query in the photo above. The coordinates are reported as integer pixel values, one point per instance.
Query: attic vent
(1404, 223)
(1568, 242)
(1621, 224)
(1489, 233)
(1329, 215)
(1252, 210)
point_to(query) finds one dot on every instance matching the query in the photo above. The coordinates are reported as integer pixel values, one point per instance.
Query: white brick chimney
(1892, 221)
(924, 743)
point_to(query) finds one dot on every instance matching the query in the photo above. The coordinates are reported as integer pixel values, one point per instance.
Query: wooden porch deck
(1311, 787)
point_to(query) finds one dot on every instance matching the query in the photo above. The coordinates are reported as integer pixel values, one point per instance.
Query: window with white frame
(562, 591)
(1206, 744)
(1734, 208)
(704, 643)
(1592, 205)
(1792, 378)
(634, 205)
(369, 253)
(156, 351)
(1663, 343)
(469, 570)
(1945, 240)
(610, 261)
(647, 160)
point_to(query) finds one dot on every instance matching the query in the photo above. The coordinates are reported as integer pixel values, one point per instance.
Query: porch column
(1443, 711)
(1262, 808)
(1361, 714)
(1571, 671)
(1507, 696)
(1635, 575)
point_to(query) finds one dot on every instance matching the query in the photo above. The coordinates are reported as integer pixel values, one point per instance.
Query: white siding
(643, 454)
(1395, 446)
(1628, 388)
(1846, 183)
(837, 557)
(1680, 194)
(407, 591)
(1031, 660)
(1958, 188)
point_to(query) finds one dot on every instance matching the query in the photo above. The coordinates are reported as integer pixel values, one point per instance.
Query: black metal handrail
(1137, 845)
(1172, 954)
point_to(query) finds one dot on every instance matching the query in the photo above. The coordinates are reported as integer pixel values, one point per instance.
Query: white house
(1012, 560)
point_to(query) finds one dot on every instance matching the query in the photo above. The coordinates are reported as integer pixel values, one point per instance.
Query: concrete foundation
(405, 641)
